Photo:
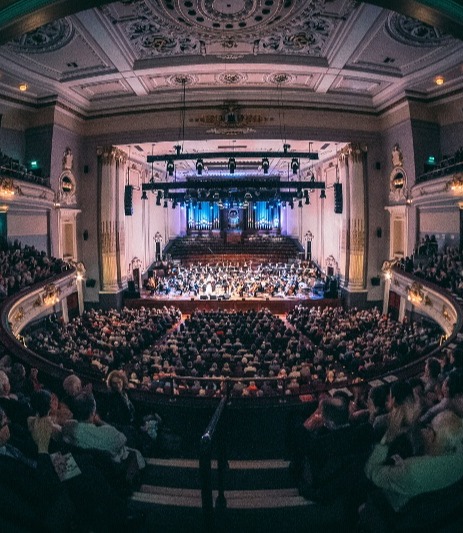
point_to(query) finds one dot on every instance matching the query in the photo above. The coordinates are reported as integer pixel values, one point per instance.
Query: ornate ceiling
(134, 54)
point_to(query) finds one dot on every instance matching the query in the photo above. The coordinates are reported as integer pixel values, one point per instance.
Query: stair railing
(214, 434)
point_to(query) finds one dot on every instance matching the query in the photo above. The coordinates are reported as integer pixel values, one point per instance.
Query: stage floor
(188, 304)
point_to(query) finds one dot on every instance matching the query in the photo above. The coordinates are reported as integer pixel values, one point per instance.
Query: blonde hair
(119, 374)
(448, 428)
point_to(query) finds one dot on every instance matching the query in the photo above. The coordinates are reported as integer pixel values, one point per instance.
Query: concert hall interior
(221, 223)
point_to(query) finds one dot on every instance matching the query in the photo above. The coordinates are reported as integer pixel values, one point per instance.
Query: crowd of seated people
(12, 168)
(228, 280)
(22, 266)
(63, 467)
(444, 268)
(314, 346)
(396, 454)
(364, 342)
(97, 342)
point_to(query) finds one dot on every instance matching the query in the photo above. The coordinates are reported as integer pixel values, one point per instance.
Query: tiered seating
(255, 248)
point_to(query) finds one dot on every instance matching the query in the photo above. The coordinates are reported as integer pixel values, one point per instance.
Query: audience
(417, 424)
(434, 464)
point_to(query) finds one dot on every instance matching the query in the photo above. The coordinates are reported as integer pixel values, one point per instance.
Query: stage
(187, 305)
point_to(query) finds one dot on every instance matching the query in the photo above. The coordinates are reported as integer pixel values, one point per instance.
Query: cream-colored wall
(440, 221)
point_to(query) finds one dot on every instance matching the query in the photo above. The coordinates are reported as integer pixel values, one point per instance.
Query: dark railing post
(205, 458)
(205, 471)
(222, 465)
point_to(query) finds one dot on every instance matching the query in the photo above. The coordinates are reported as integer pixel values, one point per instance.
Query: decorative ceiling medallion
(47, 38)
(190, 27)
(279, 78)
(181, 79)
(410, 31)
(204, 16)
(231, 78)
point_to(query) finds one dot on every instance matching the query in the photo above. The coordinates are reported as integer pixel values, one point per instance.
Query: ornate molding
(410, 31)
(111, 154)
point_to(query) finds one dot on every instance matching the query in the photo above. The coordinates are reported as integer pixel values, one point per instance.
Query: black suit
(33, 498)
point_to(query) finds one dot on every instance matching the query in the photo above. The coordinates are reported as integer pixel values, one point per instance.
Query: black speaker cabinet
(128, 204)
(338, 198)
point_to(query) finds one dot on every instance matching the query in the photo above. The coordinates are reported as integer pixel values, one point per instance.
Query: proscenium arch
(20, 16)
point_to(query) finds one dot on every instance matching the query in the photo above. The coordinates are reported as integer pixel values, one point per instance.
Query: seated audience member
(432, 386)
(377, 409)
(120, 411)
(16, 410)
(82, 432)
(330, 458)
(402, 479)
(41, 405)
(404, 411)
(452, 390)
(31, 494)
(72, 387)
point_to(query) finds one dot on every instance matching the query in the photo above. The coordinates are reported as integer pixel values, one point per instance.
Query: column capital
(111, 154)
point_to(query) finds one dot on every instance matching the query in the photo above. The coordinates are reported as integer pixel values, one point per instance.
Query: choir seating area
(233, 248)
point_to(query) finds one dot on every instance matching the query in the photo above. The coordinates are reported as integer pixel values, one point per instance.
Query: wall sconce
(415, 293)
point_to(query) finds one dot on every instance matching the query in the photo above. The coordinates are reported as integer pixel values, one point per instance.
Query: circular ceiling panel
(209, 17)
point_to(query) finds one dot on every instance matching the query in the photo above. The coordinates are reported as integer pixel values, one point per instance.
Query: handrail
(213, 432)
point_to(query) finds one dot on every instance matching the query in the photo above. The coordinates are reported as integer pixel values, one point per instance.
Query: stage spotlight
(174, 204)
(144, 196)
(294, 165)
(200, 206)
(199, 166)
(265, 165)
(158, 198)
(170, 167)
(232, 165)
(165, 204)
(300, 203)
(307, 200)
(291, 204)
(323, 194)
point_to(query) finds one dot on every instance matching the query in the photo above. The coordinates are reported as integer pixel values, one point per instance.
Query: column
(356, 217)
(111, 173)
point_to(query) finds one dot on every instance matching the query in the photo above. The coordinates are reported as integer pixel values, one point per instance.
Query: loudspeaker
(128, 206)
(86, 169)
(131, 286)
(376, 281)
(203, 296)
(85, 235)
(337, 198)
(378, 165)
(379, 233)
(213, 297)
